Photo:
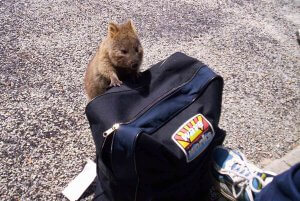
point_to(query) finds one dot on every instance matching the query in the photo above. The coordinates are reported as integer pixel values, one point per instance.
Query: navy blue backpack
(154, 134)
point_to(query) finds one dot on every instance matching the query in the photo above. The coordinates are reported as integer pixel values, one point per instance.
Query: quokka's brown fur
(119, 52)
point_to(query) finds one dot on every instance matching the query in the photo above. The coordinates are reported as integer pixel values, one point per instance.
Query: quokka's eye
(137, 49)
(124, 51)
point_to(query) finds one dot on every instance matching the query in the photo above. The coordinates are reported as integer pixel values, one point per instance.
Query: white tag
(81, 182)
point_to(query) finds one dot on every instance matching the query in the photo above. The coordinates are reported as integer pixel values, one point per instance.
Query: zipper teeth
(159, 99)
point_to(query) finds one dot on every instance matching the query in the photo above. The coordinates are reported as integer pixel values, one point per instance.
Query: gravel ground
(46, 45)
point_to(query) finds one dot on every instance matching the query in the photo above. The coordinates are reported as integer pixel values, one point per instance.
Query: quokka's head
(125, 49)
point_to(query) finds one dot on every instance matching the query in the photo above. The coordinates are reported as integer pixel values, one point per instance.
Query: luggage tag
(81, 182)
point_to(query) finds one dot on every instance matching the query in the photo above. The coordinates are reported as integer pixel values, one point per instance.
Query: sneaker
(236, 178)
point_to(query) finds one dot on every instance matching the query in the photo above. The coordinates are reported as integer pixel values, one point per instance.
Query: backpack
(154, 134)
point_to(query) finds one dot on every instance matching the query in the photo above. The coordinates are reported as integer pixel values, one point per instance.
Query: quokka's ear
(131, 26)
(113, 29)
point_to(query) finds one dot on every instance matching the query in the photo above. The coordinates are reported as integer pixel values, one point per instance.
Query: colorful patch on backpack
(194, 136)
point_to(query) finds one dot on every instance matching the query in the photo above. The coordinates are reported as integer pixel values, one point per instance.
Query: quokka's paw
(114, 81)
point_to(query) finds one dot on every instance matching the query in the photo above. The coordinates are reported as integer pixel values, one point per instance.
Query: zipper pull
(111, 130)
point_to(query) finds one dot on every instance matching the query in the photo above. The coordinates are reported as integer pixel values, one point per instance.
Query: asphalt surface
(46, 45)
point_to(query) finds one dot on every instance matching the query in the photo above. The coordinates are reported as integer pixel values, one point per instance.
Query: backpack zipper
(111, 130)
